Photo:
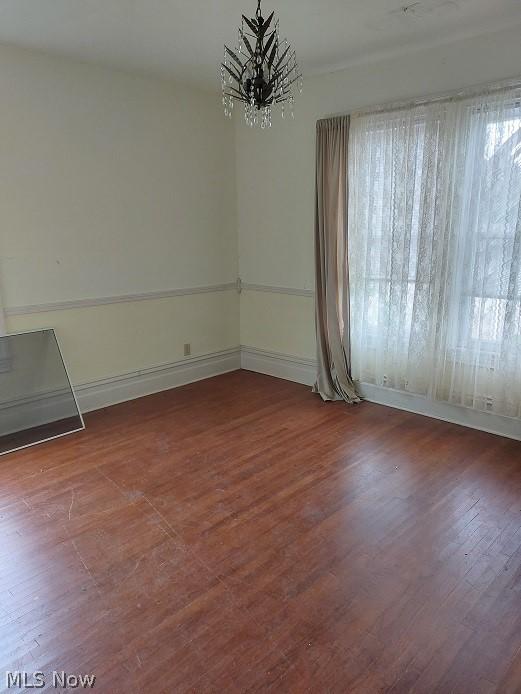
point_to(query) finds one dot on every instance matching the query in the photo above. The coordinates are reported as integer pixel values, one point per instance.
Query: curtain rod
(446, 97)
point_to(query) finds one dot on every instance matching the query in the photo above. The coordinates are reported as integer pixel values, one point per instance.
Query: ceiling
(183, 39)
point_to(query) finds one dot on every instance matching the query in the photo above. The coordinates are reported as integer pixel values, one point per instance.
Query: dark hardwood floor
(239, 535)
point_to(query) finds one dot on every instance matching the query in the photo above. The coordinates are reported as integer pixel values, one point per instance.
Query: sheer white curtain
(435, 250)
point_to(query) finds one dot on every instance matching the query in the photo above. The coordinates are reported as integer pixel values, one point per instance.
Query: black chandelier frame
(261, 71)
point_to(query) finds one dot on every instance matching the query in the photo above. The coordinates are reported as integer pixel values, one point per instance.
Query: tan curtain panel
(334, 380)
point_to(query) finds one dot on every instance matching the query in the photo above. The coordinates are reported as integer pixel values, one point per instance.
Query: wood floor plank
(240, 535)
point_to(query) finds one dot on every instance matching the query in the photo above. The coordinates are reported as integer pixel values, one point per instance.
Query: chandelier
(261, 72)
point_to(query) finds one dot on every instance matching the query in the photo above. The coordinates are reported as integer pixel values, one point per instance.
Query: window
(435, 250)
(488, 229)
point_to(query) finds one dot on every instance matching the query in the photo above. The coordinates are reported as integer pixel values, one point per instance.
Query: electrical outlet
(187, 349)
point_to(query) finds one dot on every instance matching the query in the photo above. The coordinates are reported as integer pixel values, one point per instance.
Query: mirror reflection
(37, 401)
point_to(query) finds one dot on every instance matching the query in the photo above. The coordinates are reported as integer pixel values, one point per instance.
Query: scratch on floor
(191, 551)
(133, 571)
(170, 527)
(72, 504)
(85, 566)
(120, 490)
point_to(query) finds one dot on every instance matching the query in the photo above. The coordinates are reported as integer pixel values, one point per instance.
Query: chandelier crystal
(261, 72)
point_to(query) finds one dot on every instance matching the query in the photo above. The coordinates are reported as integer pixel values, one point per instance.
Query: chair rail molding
(124, 298)
(293, 291)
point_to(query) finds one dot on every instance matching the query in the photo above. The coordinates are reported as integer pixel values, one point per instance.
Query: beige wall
(114, 184)
(115, 339)
(278, 322)
(276, 167)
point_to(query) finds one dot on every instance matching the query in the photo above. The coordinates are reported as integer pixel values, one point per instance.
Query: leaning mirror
(37, 401)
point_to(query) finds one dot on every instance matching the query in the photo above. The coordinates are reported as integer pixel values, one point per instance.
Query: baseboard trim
(111, 391)
(284, 366)
(303, 371)
(464, 416)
